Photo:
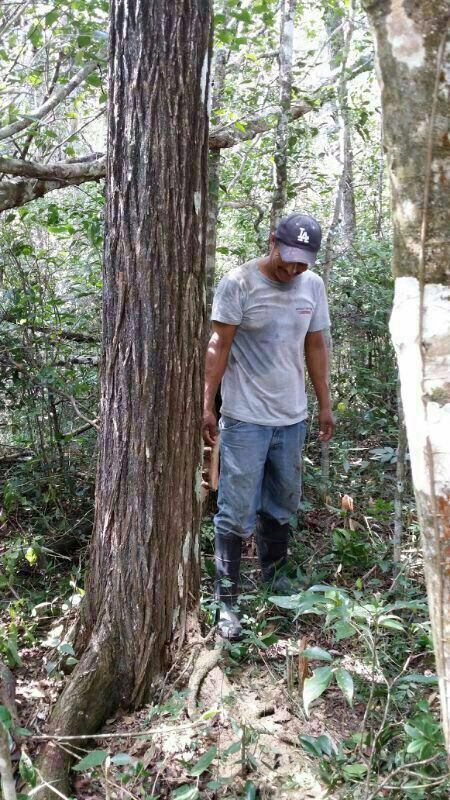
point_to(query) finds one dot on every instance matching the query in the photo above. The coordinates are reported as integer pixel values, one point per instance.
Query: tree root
(207, 660)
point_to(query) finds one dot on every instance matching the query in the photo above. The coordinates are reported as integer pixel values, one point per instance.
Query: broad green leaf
(51, 17)
(203, 762)
(186, 792)
(233, 748)
(345, 682)
(316, 652)
(22, 731)
(416, 745)
(326, 745)
(26, 769)
(391, 622)
(354, 770)
(416, 677)
(65, 647)
(93, 759)
(310, 744)
(239, 126)
(5, 716)
(316, 685)
(343, 630)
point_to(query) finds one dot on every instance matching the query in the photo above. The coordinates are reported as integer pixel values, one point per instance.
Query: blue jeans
(260, 471)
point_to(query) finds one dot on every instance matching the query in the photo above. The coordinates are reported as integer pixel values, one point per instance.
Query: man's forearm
(316, 358)
(215, 366)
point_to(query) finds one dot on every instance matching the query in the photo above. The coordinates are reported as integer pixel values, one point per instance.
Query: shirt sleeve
(228, 302)
(320, 318)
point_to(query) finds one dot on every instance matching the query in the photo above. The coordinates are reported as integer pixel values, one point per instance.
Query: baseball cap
(298, 238)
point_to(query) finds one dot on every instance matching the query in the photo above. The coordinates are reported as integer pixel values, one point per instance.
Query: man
(267, 319)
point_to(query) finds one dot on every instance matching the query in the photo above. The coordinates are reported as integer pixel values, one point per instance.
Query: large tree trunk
(282, 129)
(411, 41)
(144, 562)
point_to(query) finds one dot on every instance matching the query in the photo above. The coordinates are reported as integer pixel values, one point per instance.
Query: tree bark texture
(144, 560)
(282, 129)
(340, 41)
(411, 45)
(214, 182)
(399, 483)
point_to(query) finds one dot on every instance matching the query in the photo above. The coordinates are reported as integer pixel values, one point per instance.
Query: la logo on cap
(303, 236)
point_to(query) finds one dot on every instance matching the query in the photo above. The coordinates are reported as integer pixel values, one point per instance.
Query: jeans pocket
(227, 423)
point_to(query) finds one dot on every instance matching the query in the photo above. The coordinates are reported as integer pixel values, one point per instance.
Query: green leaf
(203, 762)
(22, 731)
(121, 759)
(342, 630)
(211, 712)
(94, 80)
(233, 748)
(51, 17)
(345, 682)
(249, 791)
(354, 770)
(391, 622)
(31, 556)
(26, 769)
(316, 685)
(65, 647)
(239, 126)
(416, 745)
(310, 744)
(186, 792)
(5, 716)
(326, 745)
(316, 652)
(93, 759)
(416, 677)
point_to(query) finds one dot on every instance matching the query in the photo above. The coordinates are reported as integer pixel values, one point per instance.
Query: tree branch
(55, 99)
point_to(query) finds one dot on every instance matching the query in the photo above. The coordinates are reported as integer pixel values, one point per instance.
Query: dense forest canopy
(295, 123)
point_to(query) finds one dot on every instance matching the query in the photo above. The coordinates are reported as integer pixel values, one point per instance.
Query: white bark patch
(405, 40)
(424, 366)
(186, 547)
(180, 580)
(204, 88)
(198, 482)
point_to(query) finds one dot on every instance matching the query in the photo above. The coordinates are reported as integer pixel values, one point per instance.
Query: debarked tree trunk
(144, 560)
(412, 42)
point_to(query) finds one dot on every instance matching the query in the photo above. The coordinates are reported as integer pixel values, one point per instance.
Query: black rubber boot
(272, 542)
(228, 561)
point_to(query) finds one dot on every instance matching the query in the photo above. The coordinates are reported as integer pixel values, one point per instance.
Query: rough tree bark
(282, 129)
(411, 40)
(144, 560)
(214, 182)
(340, 41)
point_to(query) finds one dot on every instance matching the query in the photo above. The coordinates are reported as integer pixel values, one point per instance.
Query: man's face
(284, 271)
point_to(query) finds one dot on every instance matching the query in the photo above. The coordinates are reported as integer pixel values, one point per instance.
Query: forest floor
(266, 721)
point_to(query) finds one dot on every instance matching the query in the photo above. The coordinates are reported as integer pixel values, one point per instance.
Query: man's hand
(209, 428)
(326, 425)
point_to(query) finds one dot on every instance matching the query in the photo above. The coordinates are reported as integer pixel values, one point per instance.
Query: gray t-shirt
(264, 381)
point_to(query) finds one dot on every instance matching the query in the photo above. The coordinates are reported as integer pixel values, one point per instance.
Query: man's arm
(215, 366)
(316, 358)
